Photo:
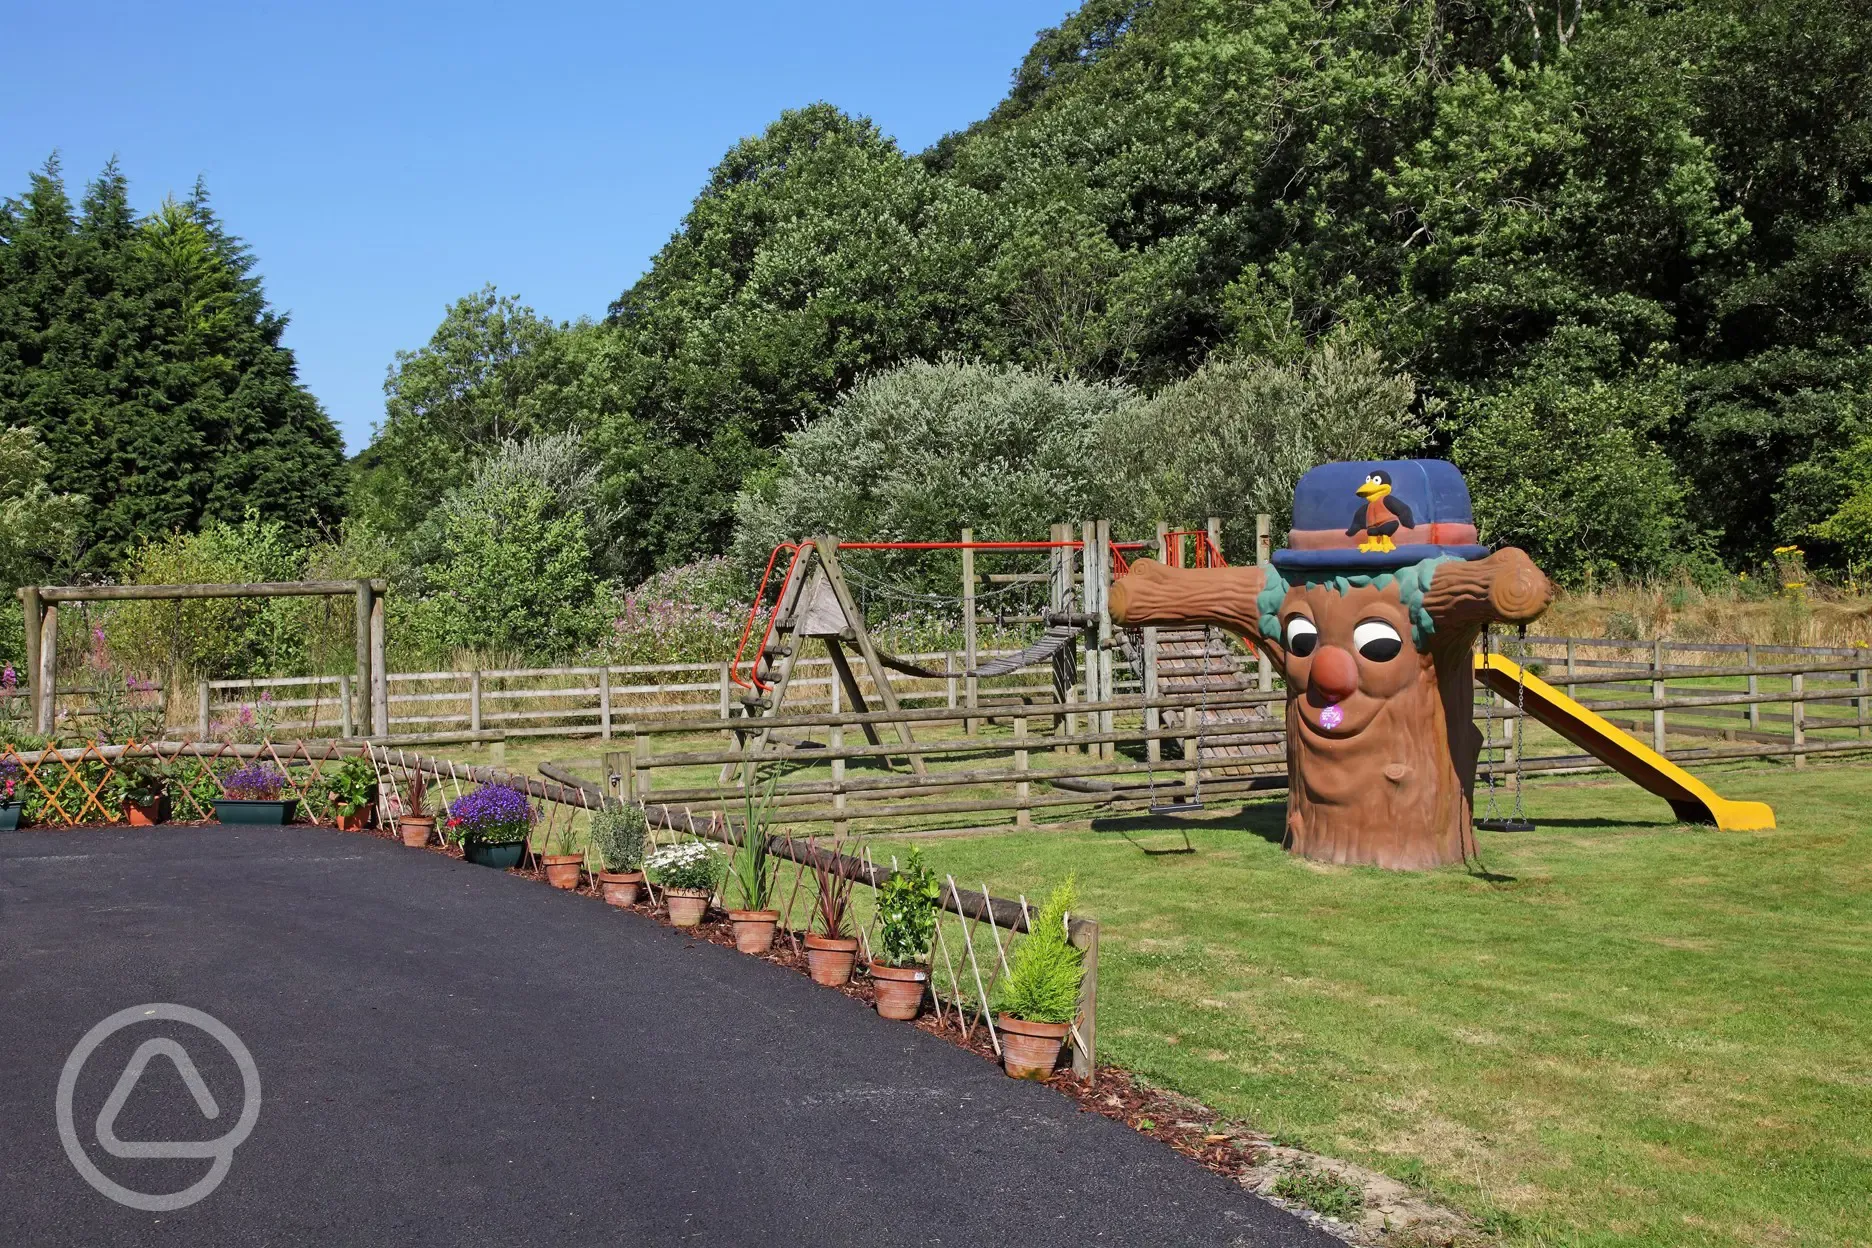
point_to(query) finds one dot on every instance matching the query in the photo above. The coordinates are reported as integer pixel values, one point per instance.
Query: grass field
(1626, 1032)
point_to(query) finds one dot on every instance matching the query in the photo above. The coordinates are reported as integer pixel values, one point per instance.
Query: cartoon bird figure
(1379, 516)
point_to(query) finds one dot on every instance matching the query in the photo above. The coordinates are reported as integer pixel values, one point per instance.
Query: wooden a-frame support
(803, 611)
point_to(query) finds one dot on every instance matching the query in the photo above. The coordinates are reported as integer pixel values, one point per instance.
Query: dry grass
(1680, 611)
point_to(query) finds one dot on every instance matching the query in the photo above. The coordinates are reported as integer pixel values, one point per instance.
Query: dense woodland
(1615, 259)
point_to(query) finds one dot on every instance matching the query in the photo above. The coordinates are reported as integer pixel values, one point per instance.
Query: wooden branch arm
(1504, 588)
(1154, 596)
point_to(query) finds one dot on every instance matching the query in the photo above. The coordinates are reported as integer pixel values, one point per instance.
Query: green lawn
(1628, 1032)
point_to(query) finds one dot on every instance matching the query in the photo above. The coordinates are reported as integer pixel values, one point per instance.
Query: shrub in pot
(141, 787)
(414, 822)
(618, 835)
(1035, 1002)
(491, 825)
(831, 949)
(352, 790)
(906, 903)
(688, 873)
(559, 860)
(252, 795)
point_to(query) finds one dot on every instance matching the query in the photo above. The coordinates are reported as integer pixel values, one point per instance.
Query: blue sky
(382, 160)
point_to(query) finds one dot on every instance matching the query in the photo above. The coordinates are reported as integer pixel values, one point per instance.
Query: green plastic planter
(266, 814)
(499, 856)
(9, 816)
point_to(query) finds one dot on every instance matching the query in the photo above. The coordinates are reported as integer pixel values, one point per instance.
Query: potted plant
(491, 825)
(750, 869)
(414, 823)
(251, 795)
(559, 860)
(618, 832)
(688, 872)
(906, 903)
(142, 785)
(1036, 1001)
(831, 950)
(11, 793)
(352, 789)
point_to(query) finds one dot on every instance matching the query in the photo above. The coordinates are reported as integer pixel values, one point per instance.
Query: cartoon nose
(1335, 674)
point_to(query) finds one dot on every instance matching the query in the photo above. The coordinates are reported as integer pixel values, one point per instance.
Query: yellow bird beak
(1373, 489)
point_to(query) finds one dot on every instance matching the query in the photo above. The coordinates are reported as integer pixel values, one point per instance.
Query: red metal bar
(734, 669)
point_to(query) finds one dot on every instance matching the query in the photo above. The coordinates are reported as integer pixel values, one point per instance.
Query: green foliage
(38, 529)
(916, 453)
(1231, 440)
(353, 786)
(1566, 468)
(513, 568)
(141, 781)
(618, 836)
(145, 355)
(1322, 1191)
(906, 907)
(216, 637)
(1850, 524)
(1042, 983)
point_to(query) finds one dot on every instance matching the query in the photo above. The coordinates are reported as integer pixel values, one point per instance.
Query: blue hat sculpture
(1379, 515)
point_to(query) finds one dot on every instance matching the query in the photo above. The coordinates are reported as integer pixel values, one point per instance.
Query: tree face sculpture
(1381, 750)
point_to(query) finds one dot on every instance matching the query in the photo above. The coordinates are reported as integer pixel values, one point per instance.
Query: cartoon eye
(1302, 636)
(1377, 641)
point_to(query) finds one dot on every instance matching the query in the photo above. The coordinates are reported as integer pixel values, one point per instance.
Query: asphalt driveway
(449, 1055)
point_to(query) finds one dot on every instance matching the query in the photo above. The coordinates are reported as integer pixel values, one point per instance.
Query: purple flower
(256, 782)
(9, 679)
(493, 814)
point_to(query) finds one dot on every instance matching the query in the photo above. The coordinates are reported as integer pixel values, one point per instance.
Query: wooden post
(836, 736)
(640, 767)
(949, 666)
(1107, 719)
(1088, 546)
(1754, 688)
(1084, 934)
(604, 703)
(1213, 526)
(474, 700)
(204, 709)
(1264, 551)
(1023, 814)
(616, 772)
(380, 670)
(497, 753)
(1572, 690)
(45, 678)
(1864, 702)
(1153, 715)
(1658, 741)
(971, 659)
(1799, 709)
(362, 687)
(724, 690)
(35, 620)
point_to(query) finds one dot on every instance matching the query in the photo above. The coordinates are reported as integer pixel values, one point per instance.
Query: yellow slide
(1690, 799)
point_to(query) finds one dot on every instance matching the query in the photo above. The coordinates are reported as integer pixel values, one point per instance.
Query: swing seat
(1175, 808)
(1505, 825)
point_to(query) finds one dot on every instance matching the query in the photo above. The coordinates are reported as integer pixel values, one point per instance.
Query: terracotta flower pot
(899, 990)
(562, 870)
(354, 823)
(416, 830)
(144, 814)
(830, 958)
(620, 888)
(686, 905)
(1030, 1050)
(754, 929)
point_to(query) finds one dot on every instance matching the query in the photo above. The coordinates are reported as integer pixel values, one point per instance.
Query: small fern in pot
(1037, 999)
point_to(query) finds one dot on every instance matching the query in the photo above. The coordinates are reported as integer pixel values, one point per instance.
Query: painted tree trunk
(1381, 753)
